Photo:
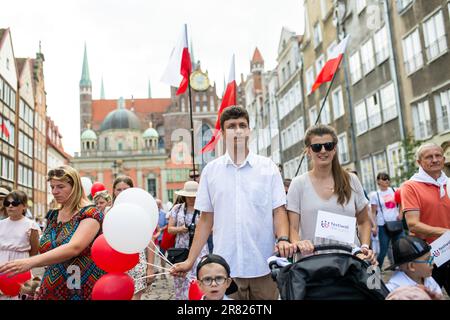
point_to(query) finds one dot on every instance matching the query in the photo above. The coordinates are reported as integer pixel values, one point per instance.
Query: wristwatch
(282, 238)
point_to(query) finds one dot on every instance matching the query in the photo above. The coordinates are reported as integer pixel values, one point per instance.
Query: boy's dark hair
(233, 112)
(213, 258)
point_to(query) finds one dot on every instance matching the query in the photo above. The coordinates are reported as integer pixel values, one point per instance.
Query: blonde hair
(103, 194)
(71, 176)
(342, 187)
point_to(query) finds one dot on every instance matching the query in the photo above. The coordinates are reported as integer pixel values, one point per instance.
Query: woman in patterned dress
(141, 270)
(65, 246)
(181, 216)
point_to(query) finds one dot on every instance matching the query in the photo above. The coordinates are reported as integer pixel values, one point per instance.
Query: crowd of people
(229, 222)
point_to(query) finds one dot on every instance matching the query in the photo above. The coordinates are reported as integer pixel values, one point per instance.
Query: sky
(129, 43)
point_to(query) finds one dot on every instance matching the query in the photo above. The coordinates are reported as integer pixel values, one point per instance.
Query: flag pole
(191, 116)
(318, 116)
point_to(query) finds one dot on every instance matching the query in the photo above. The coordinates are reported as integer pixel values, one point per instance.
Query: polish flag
(331, 66)
(229, 99)
(5, 130)
(179, 68)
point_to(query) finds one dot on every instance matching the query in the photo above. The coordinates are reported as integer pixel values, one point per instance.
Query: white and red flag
(332, 64)
(229, 99)
(179, 68)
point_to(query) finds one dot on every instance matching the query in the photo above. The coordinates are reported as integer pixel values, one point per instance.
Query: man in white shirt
(241, 196)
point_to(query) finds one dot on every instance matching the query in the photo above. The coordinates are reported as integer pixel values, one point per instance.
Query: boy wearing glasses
(213, 277)
(413, 257)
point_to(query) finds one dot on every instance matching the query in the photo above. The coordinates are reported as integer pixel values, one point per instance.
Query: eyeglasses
(385, 178)
(428, 261)
(59, 173)
(207, 281)
(317, 147)
(15, 203)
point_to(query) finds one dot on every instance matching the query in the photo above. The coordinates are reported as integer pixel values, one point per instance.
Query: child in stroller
(333, 272)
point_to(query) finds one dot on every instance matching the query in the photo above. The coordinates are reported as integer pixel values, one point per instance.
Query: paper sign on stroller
(440, 249)
(335, 227)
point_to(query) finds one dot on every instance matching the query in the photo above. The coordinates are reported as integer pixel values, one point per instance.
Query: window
(360, 5)
(421, 120)
(283, 139)
(338, 103)
(325, 116)
(320, 62)
(355, 67)
(435, 38)
(403, 4)
(289, 70)
(367, 59)
(205, 103)
(442, 104)
(381, 45)
(379, 161)
(301, 128)
(317, 35)
(323, 8)
(373, 111)
(183, 105)
(412, 52)
(312, 116)
(361, 118)
(211, 103)
(309, 79)
(367, 177)
(388, 102)
(395, 159)
(197, 103)
(331, 48)
(344, 156)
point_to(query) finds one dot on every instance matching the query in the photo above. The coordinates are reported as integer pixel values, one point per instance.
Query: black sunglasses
(385, 178)
(59, 173)
(15, 203)
(317, 147)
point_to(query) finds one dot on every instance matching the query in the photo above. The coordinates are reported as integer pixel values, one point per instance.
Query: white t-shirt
(388, 205)
(304, 200)
(401, 279)
(242, 199)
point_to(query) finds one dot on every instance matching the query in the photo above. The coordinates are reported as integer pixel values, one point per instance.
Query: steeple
(85, 79)
(102, 91)
(257, 63)
(149, 89)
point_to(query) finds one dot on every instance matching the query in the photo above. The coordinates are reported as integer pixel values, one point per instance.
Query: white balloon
(127, 228)
(87, 185)
(142, 198)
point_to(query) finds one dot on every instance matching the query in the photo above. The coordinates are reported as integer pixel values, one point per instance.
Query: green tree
(409, 167)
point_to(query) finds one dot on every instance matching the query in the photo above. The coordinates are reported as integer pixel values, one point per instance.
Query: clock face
(199, 81)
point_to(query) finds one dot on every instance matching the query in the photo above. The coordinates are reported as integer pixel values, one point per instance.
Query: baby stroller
(331, 273)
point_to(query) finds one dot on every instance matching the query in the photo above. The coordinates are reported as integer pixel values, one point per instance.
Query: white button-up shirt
(242, 200)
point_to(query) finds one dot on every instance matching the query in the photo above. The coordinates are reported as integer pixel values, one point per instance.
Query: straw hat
(189, 190)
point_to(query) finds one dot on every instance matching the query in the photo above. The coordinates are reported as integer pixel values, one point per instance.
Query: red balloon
(9, 286)
(110, 260)
(194, 291)
(22, 277)
(96, 187)
(113, 286)
(397, 196)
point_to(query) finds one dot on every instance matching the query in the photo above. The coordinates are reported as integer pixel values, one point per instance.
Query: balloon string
(153, 275)
(154, 265)
(159, 253)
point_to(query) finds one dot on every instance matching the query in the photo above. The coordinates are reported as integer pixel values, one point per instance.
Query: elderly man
(425, 203)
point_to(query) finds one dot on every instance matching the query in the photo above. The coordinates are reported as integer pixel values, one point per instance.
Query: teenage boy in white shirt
(242, 198)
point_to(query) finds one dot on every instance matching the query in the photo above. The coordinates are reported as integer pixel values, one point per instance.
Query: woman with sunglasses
(328, 187)
(384, 209)
(65, 245)
(19, 236)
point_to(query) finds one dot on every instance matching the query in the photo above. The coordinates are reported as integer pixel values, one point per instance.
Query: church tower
(85, 95)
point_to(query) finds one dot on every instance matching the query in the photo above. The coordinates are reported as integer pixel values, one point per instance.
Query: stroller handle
(323, 247)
